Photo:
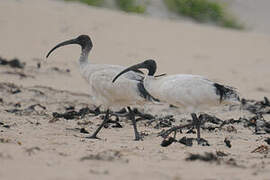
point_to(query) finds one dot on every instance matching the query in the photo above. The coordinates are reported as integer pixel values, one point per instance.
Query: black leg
(197, 124)
(132, 117)
(106, 119)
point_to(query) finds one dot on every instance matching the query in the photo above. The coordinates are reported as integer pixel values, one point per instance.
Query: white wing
(124, 92)
(183, 91)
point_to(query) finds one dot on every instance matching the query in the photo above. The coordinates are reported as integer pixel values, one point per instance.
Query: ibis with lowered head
(189, 93)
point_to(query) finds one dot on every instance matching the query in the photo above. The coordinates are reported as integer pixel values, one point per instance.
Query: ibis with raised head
(129, 91)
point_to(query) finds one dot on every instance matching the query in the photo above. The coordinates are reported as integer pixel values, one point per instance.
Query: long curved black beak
(72, 41)
(150, 65)
(131, 68)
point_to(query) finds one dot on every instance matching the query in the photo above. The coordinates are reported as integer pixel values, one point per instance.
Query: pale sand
(29, 28)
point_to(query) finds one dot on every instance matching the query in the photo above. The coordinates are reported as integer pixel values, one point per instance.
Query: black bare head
(149, 64)
(83, 40)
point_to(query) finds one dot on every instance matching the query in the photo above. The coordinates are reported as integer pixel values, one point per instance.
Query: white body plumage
(107, 94)
(190, 93)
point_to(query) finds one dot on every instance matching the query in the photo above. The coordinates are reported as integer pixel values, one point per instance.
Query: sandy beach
(35, 145)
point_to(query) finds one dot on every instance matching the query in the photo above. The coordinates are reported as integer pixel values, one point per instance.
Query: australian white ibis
(129, 91)
(189, 93)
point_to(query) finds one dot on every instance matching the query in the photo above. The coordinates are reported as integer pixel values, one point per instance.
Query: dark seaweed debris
(261, 126)
(261, 149)
(186, 141)
(267, 140)
(142, 115)
(60, 70)
(227, 142)
(257, 121)
(108, 155)
(114, 123)
(27, 110)
(81, 130)
(208, 118)
(203, 142)
(174, 129)
(162, 122)
(221, 154)
(189, 141)
(32, 150)
(84, 131)
(72, 114)
(256, 107)
(167, 142)
(10, 88)
(208, 122)
(4, 125)
(16, 91)
(208, 157)
(14, 63)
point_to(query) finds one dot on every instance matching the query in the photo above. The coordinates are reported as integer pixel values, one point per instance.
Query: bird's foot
(203, 142)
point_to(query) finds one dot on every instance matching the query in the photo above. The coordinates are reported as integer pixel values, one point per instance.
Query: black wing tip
(226, 92)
